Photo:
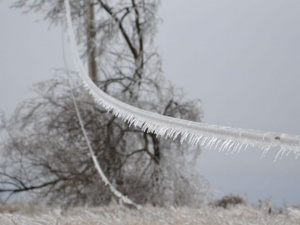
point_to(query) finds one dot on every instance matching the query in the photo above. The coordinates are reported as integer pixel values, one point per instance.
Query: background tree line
(43, 146)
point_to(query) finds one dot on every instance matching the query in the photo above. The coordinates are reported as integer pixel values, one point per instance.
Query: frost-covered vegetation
(46, 154)
(45, 151)
(116, 214)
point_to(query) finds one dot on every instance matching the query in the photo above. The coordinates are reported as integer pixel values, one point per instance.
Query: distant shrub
(230, 200)
(266, 205)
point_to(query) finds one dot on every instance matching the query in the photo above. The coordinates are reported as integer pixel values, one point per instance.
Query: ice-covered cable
(95, 161)
(211, 136)
(118, 194)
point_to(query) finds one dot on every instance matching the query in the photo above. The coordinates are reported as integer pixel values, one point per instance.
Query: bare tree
(44, 148)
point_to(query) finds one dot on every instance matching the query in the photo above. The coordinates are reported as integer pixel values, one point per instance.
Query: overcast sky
(241, 58)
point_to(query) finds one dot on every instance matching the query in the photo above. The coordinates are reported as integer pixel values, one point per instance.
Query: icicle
(230, 147)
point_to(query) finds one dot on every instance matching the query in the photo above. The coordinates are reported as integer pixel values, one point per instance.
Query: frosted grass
(120, 215)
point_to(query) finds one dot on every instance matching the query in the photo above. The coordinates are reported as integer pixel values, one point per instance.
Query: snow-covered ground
(115, 214)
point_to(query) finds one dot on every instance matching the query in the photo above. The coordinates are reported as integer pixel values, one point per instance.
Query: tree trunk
(91, 37)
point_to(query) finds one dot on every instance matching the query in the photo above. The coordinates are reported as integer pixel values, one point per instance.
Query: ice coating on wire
(210, 136)
(96, 163)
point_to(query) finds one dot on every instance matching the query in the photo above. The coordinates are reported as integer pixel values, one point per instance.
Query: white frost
(211, 136)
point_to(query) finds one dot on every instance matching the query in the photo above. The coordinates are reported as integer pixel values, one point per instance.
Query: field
(116, 214)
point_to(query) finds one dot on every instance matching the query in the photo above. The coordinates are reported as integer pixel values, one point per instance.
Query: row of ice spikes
(210, 136)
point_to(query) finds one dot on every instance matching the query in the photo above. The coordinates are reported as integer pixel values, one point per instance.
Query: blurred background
(241, 58)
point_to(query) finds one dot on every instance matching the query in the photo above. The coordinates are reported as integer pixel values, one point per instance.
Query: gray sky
(241, 58)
